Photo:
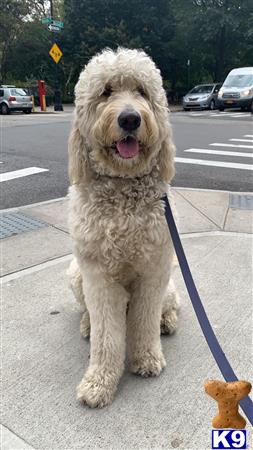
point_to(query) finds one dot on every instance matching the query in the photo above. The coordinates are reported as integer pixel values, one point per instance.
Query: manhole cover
(238, 201)
(16, 223)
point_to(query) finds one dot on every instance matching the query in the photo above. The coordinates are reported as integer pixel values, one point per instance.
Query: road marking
(216, 115)
(6, 176)
(242, 140)
(205, 162)
(218, 152)
(1, 162)
(239, 115)
(230, 114)
(248, 135)
(219, 144)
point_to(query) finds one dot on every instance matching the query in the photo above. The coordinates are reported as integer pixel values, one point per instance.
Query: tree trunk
(220, 55)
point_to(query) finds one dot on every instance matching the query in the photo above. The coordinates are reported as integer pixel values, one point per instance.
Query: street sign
(46, 20)
(54, 28)
(57, 23)
(55, 53)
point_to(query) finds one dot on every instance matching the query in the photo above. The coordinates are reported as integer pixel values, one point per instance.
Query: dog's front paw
(169, 321)
(148, 363)
(96, 389)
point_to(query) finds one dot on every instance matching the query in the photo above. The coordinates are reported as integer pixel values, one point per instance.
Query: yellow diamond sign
(55, 53)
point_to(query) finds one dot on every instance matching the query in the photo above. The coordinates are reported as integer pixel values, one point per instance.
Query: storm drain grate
(238, 201)
(16, 223)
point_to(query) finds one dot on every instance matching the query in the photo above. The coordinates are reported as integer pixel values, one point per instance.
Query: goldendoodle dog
(120, 163)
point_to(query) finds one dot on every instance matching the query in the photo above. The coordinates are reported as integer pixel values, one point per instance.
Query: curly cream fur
(123, 250)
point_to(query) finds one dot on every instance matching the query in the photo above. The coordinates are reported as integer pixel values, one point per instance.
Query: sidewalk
(45, 356)
(67, 108)
(70, 108)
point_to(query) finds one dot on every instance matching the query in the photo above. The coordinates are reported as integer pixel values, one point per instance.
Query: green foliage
(215, 35)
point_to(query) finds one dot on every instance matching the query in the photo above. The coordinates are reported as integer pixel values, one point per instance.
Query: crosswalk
(239, 150)
(216, 114)
(246, 142)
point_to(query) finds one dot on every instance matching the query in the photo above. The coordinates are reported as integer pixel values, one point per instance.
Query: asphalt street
(214, 151)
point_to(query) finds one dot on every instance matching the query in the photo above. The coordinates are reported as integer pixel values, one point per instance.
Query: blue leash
(218, 354)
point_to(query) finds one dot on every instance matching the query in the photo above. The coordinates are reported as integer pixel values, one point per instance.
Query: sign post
(55, 52)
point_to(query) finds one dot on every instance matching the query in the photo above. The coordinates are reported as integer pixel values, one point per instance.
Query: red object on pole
(42, 94)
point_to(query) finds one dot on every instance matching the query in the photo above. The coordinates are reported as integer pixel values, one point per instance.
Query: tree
(15, 18)
(91, 26)
(216, 33)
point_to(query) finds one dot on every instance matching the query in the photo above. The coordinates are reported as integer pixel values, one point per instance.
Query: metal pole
(188, 73)
(51, 9)
(57, 93)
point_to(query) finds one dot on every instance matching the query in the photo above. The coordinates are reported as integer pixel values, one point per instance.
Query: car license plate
(193, 104)
(229, 102)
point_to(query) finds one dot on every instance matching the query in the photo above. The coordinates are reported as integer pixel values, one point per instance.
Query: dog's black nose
(129, 120)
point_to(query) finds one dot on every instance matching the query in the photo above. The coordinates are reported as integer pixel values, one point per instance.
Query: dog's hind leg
(170, 309)
(76, 283)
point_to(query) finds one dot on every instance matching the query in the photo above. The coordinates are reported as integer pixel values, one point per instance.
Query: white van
(237, 90)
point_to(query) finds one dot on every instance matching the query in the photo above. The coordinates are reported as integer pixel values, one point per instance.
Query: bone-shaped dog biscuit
(228, 396)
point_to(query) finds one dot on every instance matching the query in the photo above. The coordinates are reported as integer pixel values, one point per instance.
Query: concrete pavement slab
(189, 219)
(171, 411)
(9, 441)
(33, 247)
(214, 205)
(55, 213)
(240, 221)
(35, 308)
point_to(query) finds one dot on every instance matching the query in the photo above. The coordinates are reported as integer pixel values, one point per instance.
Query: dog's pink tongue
(128, 147)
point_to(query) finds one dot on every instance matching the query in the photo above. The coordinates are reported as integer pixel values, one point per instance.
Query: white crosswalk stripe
(205, 162)
(241, 140)
(215, 114)
(7, 176)
(248, 135)
(218, 152)
(220, 144)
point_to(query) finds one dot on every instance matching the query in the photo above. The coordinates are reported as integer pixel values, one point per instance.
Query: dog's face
(121, 113)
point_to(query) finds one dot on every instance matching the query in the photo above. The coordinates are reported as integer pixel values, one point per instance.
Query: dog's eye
(141, 91)
(107, 91)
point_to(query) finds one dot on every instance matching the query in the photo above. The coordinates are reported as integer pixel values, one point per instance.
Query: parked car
(14, 99)
(237, 90)
(203, 96)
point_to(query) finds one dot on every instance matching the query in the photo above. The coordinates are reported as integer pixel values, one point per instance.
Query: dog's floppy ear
(78, 167)
(166, 159)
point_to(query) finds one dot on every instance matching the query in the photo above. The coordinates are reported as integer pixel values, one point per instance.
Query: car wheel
(4, 109)
(251, 107)
(212, 105)
(27, 111)
(221, 109)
